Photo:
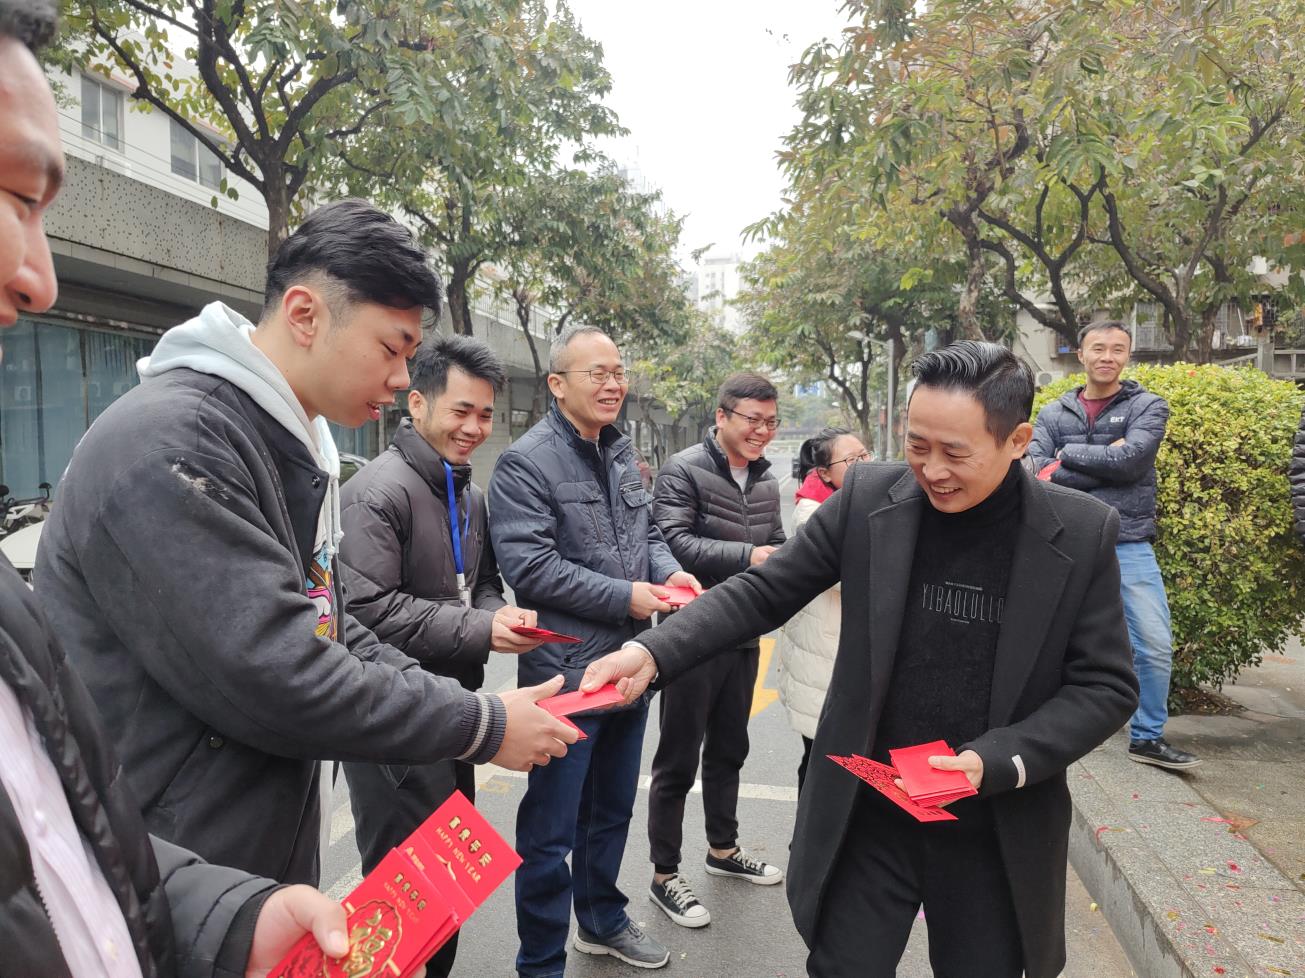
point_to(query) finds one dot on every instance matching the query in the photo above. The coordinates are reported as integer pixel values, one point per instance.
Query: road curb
(1185, 896)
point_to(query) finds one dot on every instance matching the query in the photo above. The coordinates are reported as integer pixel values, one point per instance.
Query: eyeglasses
(752, 421)
(852, 459)
(599, 375)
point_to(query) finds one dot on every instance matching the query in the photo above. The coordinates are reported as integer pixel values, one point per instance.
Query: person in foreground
(992, 620)
(1102, 438)
(84, 890)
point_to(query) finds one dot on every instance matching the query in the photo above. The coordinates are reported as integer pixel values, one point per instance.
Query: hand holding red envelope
(927, 788)
(415, 900)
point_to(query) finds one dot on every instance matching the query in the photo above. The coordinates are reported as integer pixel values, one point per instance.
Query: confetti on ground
(1234, 867)
(1270, 937)
(1276, 971)
(1206, 870)
(1222, 821)
(1172, 915)
(1093, 907)
(1220, 969)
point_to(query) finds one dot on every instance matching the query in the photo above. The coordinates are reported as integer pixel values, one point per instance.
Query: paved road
(751, 934)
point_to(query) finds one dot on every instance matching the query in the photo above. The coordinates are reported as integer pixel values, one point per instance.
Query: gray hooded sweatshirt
(189, 566)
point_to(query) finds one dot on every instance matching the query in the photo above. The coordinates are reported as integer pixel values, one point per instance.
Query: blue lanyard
(454, 531)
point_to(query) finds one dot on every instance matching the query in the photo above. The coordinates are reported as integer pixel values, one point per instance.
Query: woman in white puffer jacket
(809, 642)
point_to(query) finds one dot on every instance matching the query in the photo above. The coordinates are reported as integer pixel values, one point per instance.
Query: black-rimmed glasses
(599, 375)
(770, 424)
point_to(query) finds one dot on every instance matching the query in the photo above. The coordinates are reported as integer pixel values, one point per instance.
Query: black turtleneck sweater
(941, 682)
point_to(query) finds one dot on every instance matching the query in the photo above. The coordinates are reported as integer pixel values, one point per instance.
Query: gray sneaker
(632, 945)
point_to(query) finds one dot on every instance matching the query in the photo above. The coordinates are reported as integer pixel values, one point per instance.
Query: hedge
(1232, 565)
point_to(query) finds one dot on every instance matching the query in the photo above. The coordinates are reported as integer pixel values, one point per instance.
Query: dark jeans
(888, 867)
(389, 801)
(704, 712)
(579, 805)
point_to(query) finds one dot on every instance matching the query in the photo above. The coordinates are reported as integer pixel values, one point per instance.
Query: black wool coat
(1063, 678)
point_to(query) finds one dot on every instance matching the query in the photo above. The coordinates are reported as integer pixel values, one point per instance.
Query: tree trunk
(967, 309)
(459, 301)
(1205, 338)
(277, 199)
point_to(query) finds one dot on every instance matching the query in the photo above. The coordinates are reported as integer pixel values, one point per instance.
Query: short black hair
(362, 250)
(997, 379)
(745, 386)
(32, 23)
(1103, 325)
(430, 365)
(817, 452)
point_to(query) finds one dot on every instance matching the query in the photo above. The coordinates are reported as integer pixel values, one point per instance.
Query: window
(101, 113)
(54, 381)
(192, 159)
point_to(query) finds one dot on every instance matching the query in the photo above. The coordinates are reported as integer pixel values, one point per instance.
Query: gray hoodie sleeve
(216, 612)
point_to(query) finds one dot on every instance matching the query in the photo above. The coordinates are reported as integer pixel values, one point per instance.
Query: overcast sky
(702, 85)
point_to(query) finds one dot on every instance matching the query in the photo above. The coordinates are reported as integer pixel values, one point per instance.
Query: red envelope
(477, 855)
(393, 917)
(927, 785)
(543, 634)
(881, 778)
(564, 704)
(1045, 473)
(579, 734)
(677, 595)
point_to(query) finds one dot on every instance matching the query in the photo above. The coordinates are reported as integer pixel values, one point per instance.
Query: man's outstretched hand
(289, 914)
(631, 668)
(534, 736)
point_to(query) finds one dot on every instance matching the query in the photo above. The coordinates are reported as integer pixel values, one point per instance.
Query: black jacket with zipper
(396, 558)
(710, 524)
(174, 566)
(186, 918)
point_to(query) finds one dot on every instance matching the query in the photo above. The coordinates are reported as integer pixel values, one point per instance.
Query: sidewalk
(1204, 874)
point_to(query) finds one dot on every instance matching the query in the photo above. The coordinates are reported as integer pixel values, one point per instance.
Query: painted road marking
(762, 695)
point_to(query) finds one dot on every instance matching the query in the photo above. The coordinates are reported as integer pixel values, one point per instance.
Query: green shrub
(1232, 565)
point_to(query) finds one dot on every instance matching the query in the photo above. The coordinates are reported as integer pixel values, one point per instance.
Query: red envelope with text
(883, 779)
(415, 900)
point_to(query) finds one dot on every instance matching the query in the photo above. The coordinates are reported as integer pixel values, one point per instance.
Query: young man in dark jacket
(576, 542)
(991, 620)
(420, 573)
(718, 507)
(83, 888)
(190, 561)
(1102, 438)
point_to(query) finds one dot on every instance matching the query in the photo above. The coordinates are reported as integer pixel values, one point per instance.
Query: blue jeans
(580, 805)
(1146, 609)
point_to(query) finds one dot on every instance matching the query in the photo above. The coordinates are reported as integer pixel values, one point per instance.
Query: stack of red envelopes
(925, 784)
(415, 900)
(926, 788)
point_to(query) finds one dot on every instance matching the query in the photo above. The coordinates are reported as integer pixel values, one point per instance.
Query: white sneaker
(746, 866)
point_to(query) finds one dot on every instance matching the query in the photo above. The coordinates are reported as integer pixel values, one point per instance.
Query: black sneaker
(631, 945)
(1161, 754)
(676, 898)
(745, 866)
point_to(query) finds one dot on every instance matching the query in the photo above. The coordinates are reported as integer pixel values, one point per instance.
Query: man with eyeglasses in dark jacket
(717, 504)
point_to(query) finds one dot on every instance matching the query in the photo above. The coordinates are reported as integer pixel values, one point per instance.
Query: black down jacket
(185, 918)
(710, 523)
(396, 558)
(1122, 476)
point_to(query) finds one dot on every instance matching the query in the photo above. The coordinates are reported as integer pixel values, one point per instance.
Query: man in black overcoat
(992, 620)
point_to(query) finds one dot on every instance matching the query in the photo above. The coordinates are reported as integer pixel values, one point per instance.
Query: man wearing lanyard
(419, 570)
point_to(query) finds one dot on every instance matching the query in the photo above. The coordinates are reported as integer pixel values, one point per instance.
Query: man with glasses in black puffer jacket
(718, 507)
